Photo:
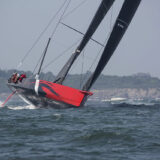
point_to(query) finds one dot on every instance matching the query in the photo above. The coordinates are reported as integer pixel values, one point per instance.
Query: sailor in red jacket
(21, 77)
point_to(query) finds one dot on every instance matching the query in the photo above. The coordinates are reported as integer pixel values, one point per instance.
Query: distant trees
(135, 81)
(140, 80)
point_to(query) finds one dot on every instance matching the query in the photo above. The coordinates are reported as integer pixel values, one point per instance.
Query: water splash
(22, 107)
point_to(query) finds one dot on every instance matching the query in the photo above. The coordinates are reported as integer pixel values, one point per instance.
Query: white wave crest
(22, 107)
(57, 116)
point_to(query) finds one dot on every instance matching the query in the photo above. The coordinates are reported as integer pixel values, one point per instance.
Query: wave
(132, 105)
(134, 102)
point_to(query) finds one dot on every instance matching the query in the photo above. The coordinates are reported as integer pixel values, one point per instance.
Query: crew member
(21, 77)
(16, 78)
(13, 77)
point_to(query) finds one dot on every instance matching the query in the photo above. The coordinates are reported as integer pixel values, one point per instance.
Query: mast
(122, 22)
(100, 14)
(44, 54)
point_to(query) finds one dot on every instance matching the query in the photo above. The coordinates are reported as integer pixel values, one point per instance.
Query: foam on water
(57, 115)
(21, 107)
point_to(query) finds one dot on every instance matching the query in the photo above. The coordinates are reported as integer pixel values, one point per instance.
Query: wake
(19, 107)
(22, 107)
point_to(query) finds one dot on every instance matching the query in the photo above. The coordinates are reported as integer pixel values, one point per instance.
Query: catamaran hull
(47, 94)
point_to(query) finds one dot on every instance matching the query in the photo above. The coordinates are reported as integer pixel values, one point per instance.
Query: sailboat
(42, 93)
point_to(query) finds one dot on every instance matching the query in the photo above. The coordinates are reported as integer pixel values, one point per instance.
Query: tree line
(140, 80)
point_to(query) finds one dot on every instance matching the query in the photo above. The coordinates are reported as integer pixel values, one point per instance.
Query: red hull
(63, 93)
(45, 93)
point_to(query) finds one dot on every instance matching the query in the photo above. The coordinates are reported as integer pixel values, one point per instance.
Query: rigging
(100, 14)
(41, 34)
(45, 51)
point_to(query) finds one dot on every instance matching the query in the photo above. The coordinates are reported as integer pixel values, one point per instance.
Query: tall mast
(122, 22)
(100, 14)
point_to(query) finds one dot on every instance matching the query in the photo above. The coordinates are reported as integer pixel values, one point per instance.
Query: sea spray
(22, 107)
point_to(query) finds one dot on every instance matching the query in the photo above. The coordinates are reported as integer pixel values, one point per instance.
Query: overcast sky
(22, 21)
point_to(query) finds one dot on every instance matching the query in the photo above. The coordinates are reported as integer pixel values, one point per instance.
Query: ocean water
(101, 130)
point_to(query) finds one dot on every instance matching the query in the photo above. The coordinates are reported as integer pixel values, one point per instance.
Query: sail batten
(122, 22)
(100, 14)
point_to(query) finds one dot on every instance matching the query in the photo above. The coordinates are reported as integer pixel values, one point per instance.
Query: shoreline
(127, 93)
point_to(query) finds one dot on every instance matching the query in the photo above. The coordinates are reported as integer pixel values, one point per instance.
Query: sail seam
(125, 23)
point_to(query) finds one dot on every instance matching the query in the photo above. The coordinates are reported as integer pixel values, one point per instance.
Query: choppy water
(99, 131)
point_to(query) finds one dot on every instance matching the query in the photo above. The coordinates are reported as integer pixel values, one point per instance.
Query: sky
(21, 23)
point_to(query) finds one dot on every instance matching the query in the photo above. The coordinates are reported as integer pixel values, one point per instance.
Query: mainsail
(100, 14)
(122, 22)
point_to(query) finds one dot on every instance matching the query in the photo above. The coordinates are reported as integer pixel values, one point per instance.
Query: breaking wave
(133, 102)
